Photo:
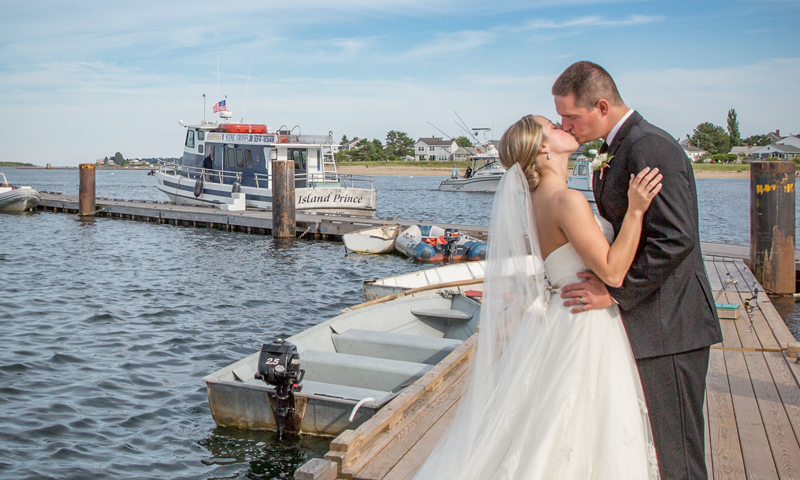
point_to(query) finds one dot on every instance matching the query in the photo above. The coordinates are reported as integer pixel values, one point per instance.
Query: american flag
(220, 106)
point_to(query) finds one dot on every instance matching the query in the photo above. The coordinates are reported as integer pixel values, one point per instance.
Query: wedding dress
(553, 395)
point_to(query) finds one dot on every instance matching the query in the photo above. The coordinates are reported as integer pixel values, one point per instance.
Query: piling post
(284, 224)
(86, 195)
(772, 225)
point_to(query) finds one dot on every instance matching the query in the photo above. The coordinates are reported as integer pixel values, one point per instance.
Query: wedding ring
(580, 299)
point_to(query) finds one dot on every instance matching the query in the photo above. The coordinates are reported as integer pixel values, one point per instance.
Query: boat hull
(326, 199)
(424, 243)
(372, 240)
(475, 184)
(19, 199)
(456, 272)
(339, 376)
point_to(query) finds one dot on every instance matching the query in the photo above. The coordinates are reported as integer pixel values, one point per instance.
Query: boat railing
(214, 176)
(4, 183)
(318, 179)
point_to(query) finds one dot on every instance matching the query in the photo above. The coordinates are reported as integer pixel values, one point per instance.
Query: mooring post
(86, 196)
(772, 225)
(284, 224)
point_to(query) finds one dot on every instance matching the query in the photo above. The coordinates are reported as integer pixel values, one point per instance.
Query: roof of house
(693, 149)
(743, 150)
(434, 141)
(775, 147)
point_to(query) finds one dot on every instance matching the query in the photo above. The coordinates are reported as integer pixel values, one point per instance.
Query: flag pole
(204, 108)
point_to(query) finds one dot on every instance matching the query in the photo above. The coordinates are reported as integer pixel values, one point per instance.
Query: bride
(553, 394)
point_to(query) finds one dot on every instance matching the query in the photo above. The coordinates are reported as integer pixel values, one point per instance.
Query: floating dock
(752, 400)
(319, 227)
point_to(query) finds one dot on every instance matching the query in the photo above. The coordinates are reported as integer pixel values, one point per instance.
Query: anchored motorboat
(485, 169)
(17, 198)
(338, 374)
(241, 162)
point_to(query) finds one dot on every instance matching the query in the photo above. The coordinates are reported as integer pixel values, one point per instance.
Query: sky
(81, 80)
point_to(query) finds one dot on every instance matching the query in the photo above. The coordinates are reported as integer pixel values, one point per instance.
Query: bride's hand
(642, 189)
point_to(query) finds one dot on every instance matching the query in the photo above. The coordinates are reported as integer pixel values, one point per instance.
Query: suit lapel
(597, 183)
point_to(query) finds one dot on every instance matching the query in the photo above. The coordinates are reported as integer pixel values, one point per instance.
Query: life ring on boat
(283, 139)
(236, 187)
(198, 187)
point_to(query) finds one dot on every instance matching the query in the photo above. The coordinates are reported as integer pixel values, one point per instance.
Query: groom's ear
(603, 106)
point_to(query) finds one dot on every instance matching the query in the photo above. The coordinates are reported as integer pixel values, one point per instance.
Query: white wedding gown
(573, 402)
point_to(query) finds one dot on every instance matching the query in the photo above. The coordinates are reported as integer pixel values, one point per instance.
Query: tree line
(398, 146)
(717, 140)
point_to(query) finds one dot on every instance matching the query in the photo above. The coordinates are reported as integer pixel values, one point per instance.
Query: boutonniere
(600, 162)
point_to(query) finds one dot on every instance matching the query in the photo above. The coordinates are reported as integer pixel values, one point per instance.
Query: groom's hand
(590, 294)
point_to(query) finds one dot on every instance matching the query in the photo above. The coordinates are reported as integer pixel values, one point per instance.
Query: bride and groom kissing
(595, 330)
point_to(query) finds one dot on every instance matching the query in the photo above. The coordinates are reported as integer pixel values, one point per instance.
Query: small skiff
(460, 273)
(372, 240)
(17, 199)
(354, 364)
(431, 243)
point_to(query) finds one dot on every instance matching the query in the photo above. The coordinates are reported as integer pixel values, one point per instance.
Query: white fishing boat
(241, 162)
(17, 198)
(466, 274)
(349, 366)
(581, 179)
(372, 240)
(485, 169)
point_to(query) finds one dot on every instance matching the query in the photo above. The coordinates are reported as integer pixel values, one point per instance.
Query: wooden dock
(323, 227)
(752, 401)
(320, 227)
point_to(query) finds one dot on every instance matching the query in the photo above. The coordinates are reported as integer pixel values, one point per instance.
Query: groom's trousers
(674, 388)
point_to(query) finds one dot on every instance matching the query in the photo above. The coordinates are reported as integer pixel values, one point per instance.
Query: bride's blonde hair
(521, 144)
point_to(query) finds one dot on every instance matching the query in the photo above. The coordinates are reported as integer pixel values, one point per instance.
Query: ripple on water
(103, 356)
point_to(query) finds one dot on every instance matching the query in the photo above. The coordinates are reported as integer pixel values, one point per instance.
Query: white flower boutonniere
(600, 162)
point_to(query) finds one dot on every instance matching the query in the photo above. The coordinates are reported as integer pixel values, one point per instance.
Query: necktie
(604, 148)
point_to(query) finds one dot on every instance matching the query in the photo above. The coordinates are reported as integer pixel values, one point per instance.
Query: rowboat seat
(323, 389)
(394, 346)
(442, 313)
(358, 371)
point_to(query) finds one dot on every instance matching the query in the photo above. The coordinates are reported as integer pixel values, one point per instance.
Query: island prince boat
(242, 157)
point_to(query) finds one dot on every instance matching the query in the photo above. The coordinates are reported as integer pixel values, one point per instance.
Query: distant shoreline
(445, 171)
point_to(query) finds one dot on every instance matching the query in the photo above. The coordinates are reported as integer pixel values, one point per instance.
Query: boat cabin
(244, 153)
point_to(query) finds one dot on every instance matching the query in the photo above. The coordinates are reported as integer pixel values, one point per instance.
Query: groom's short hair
(589, 82)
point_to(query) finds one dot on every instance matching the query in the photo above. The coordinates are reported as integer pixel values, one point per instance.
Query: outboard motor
(451, 237)
(279, 366)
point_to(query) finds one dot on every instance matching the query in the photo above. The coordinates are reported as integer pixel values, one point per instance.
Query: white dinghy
(466, 274)
(17, 199)
(372, 240)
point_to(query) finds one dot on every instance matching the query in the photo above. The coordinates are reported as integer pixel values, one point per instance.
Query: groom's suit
(666, 301)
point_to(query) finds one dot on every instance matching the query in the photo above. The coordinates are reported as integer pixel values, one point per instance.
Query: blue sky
(84, 79)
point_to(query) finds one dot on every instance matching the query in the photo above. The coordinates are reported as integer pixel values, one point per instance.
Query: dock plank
(411, 462)
(726, 452)
(756, 452)
(783, 443)
(744, 325)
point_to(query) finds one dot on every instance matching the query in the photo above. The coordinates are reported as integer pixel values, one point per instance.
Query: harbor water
(109, 325)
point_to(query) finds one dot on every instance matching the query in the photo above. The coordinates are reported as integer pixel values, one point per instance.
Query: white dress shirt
(613, 132)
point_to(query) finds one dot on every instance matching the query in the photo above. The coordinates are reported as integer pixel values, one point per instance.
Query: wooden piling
(283, 208)
(86, 192)
(772, 225)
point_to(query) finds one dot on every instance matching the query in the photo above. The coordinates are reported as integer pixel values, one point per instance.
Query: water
(110, 325)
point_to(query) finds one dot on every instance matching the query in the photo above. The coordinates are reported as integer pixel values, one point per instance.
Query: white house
(693, 152)
(434, 148)
(793, 140)
(744, 151)
(784, 152)
(348, 145)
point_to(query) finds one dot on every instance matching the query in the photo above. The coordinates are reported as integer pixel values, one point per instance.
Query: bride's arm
(610, 263)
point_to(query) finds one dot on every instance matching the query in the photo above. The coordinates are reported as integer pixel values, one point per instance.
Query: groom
(666, 301)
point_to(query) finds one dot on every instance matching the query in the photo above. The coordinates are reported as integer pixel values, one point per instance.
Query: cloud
(592, 21)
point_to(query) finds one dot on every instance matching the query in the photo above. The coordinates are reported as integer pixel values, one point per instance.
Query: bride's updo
(521, 144)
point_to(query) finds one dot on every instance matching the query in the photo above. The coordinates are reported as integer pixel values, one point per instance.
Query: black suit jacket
(666, 301)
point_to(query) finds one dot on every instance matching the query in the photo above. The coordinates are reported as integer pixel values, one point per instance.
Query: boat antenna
(464, 126)
(246, 88)
(437, 128)
(218, 76)
(204, 108)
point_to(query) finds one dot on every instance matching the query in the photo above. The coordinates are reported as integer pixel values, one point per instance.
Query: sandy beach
(445, 171)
